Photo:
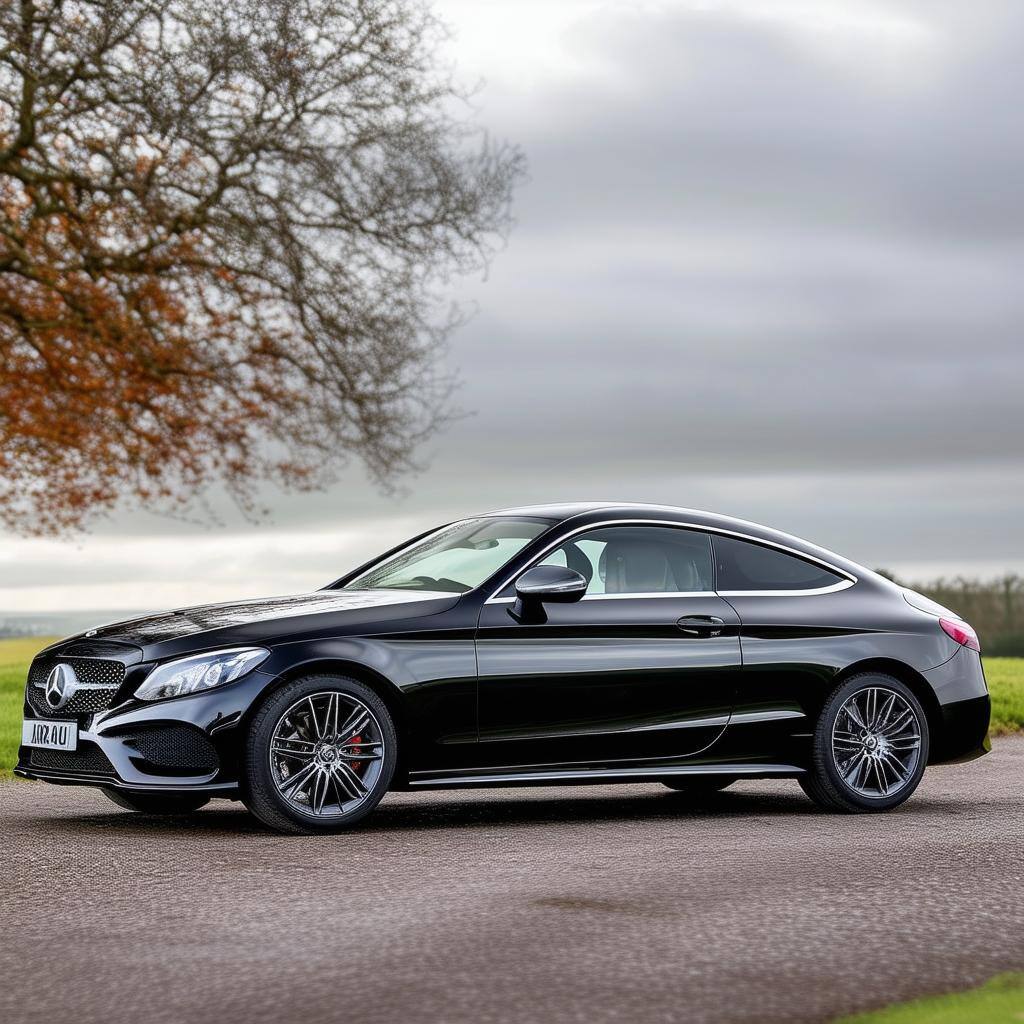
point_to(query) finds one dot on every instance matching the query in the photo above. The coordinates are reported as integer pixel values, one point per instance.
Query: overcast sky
(769, 262)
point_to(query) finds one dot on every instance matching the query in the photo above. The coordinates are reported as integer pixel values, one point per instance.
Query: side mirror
(543, 584)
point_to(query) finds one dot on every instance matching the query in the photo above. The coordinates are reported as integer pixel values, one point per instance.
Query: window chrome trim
(848, 581)
(833, 589)
(650, 593)
(619, 597)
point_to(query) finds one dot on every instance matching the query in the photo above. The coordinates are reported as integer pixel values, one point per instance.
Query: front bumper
(185, 744)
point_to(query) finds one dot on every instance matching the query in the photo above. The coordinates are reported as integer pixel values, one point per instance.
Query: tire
(300, 775)
(699, 784)
(157, 803)
(854, 764)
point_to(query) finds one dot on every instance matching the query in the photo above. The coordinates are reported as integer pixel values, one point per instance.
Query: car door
(642, 667)
(800, 623)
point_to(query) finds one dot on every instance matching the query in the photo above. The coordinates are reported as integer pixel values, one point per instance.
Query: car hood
(275, 617)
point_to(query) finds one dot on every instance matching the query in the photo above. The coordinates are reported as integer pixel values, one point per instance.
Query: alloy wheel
(876, 742)
(326, 753)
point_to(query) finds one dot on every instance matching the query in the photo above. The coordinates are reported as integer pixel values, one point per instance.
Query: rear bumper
(964, 706)
(964, 731)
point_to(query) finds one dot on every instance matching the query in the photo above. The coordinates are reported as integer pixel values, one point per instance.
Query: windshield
(455, 559)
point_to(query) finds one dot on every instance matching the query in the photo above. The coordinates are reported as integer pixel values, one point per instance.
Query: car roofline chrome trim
(849, 581)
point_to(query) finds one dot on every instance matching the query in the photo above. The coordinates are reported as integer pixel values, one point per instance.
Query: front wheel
(870, 746)
(157, 803)
(320, 755)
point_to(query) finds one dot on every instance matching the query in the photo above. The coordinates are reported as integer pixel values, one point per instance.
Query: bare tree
(222, 230)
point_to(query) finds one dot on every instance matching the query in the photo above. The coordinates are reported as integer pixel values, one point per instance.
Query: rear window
(741, 565)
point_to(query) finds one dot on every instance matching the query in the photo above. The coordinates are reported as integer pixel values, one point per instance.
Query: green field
(1005, 679)
(1006, 684)
(15, 656)
(999, 1001)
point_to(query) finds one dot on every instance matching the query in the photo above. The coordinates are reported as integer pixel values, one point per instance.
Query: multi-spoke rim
(876, 742)
(326, 753)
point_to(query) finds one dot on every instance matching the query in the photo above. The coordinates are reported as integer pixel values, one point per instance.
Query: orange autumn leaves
(111, 366)
(224, 231)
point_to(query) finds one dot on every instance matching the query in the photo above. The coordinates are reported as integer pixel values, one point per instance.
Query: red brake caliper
(356, 765)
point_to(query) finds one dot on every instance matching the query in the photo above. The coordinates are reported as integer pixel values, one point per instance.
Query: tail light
(961, 633)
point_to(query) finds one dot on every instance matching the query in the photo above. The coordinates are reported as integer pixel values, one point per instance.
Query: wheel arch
(376, 681)
(913, 680)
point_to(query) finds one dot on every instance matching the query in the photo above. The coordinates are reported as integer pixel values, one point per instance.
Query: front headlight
(200, 672)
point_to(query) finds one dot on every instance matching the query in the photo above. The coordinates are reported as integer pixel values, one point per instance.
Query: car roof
(605, 510)
(556, 511)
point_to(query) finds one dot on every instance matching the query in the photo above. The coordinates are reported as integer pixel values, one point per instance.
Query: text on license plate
(52, 735)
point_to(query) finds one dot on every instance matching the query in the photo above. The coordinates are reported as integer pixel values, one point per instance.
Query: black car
(552, 644)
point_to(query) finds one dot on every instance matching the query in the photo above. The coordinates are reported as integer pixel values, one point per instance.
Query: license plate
(51, 735)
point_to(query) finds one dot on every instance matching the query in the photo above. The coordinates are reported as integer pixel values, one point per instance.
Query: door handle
(701, 625)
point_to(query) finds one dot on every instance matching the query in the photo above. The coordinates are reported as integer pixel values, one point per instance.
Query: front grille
(88, 758)
(99, 679)
(180, 746)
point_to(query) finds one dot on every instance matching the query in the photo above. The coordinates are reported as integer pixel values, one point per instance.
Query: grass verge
(1005, 680)
(15, 656)
(1006, 684)
(999, 1001)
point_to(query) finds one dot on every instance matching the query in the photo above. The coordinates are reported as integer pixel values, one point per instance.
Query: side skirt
(569, 776)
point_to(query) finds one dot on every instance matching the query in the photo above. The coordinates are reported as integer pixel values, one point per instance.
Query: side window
(639, 560)
(745, 566)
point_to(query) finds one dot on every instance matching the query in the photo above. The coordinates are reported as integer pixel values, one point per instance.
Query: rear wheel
(870, 746)
(320, 755)
(698, 784)
(157, 803)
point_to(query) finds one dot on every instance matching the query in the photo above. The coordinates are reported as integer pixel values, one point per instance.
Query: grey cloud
(860, 304)
(751, 277)
(709, 119)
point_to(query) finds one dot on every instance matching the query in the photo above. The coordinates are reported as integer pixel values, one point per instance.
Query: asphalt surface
(616, 903)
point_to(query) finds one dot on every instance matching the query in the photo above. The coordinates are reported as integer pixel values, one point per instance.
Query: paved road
(625, 903)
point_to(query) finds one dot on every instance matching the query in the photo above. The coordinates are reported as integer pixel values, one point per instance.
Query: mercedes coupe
(548, 645)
